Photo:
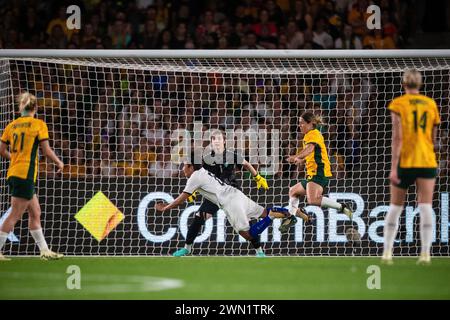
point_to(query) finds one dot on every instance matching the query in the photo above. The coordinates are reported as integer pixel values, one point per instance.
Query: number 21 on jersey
(15, 138)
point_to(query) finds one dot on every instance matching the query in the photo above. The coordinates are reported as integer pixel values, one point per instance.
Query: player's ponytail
(27, 102)
(412, 79)
(310, 117)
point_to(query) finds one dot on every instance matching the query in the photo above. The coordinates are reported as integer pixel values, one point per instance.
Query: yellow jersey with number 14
(317, 163)
(419, 114)
(23, 136)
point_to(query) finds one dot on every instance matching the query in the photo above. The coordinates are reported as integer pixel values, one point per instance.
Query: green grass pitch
(222, 278)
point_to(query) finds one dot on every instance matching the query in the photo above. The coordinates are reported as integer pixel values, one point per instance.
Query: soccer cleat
(287, 223)
(260, 254)
(3, 258)
(292, 220)
(301, 213)
(346, 210)
(278, 212)
(387, 258)
(424, 259)
(181, 252)
(50, 255)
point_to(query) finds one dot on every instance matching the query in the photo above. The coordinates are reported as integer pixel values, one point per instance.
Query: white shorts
(240, 209)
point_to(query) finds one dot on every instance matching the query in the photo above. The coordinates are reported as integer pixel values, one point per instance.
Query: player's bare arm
(297, 159)
(49, 153)
(260, 181)
(249, 167)
(4, 151)
(396, 147)
(178, 201)
(434, 136)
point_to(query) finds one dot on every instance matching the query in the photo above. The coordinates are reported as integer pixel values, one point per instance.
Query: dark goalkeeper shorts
(208, 207)
(21, 188)
(408, 176)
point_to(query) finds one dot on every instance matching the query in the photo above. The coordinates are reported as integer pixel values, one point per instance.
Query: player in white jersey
(237, 206)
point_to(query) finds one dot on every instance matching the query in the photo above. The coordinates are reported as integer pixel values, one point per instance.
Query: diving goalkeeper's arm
(178, 201)
(260, 181)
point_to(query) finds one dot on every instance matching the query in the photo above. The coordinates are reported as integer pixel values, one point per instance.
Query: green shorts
(408, 176)
(320, 180)
(21, 188)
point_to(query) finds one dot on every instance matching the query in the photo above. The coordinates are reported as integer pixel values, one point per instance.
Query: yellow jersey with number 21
(23, 136)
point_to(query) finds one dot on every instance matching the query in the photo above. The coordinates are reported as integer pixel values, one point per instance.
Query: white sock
(293, 205)
(426, 226)
(259, 250)
(3, 236)
(328, 203)
(38, 237)
(391, 226)
(188, 247)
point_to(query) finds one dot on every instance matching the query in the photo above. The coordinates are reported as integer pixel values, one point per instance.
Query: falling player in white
(238, 208)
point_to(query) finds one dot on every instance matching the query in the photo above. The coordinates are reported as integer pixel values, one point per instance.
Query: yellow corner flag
(99, 216)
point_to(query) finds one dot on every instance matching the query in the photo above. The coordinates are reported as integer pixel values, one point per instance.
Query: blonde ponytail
(317, 120)
(27, 102)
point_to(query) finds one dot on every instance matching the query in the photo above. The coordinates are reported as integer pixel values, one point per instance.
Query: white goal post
(122, 119)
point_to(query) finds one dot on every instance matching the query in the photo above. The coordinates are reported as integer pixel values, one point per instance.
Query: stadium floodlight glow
(117, 116)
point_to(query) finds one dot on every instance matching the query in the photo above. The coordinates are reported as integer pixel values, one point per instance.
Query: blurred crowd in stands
(112, 122)
(116, 122)
(209, 24)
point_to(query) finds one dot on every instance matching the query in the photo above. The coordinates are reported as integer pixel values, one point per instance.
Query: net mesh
(121, 126)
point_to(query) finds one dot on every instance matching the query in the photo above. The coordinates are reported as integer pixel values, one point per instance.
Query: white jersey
(238, 207)
(209, 186)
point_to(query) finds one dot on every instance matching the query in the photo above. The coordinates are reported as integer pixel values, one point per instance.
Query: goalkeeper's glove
(261, 182)
(192, 197)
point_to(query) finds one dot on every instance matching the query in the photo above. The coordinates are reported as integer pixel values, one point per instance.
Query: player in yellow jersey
(23, 136)
(415, 118)
(318, 171)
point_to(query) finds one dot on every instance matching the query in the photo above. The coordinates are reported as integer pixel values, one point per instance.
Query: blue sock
(260, 226)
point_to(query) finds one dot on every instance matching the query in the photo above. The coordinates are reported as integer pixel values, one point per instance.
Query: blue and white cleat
(278, 212)
(181, 252)
(260, 254)
(277, 209)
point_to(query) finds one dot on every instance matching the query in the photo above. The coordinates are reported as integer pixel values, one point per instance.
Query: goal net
(122, 122)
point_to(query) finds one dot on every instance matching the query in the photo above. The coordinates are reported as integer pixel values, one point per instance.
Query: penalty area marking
(90, 284)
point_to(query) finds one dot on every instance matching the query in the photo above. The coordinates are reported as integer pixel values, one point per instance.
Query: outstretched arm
(247, 165)
(260, 181)
(178, 201)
